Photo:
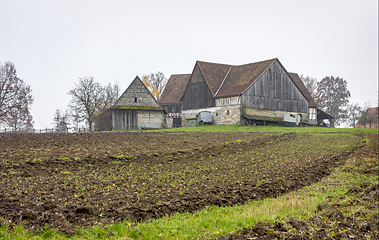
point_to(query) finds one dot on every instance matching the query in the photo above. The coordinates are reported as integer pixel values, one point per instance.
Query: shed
(137, 109)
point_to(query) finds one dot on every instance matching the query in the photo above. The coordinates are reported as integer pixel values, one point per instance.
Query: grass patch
(276, 129)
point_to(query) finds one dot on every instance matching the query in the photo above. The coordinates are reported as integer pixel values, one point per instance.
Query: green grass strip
(276, 129)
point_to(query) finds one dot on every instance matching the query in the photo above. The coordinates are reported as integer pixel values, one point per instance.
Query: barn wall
(150, 119)
(197, 94)
(227, 101)
(275, 91)
(272, 113)
(123, 119)
(137, 95)
(227, 115)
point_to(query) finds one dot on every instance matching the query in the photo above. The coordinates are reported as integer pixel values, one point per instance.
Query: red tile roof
(300, 85)
(174, 88)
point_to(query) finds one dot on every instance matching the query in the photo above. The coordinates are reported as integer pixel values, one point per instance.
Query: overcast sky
(52, 43)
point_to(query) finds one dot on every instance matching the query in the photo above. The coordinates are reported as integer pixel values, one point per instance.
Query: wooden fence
(45, 130)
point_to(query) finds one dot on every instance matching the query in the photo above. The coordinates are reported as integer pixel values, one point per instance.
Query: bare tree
(354, 112)
(61, 120)
(15, 99)
(155, 82)
(110, 95)
(89, 98)
(86, 99)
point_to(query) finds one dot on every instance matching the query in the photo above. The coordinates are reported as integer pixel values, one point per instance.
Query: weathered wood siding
(197, 94)
(274, 90)
(123, 119)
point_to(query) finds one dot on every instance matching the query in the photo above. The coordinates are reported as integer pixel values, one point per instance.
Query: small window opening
(227, 112)
(216, 114)
(135, 99)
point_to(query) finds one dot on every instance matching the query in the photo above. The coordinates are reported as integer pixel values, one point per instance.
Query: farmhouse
(170, 99)
(137, 109)
(256, 93)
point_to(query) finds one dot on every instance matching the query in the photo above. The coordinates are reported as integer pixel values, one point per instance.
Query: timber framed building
(252, 94)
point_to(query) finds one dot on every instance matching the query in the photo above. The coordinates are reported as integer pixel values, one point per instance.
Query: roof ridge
(223, 81)
(268, 60)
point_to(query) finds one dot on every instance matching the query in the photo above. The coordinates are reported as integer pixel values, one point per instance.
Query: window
(216, 114)
(135, 99)
(227, 112)
(165, 108)
(312, 114)
(173, 108)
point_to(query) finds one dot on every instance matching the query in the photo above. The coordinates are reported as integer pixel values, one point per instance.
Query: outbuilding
(137, 109)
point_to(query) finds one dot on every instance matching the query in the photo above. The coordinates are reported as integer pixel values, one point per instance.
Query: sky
(52, 42)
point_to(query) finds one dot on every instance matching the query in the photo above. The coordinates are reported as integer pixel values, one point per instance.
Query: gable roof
(136, 89)
(230, 80)
(300, 85)
(214, 74)
(241, 77)
(226, 80)
(174, 89)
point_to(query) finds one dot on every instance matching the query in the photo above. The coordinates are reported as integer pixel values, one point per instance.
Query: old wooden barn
(255, 93)
(137, 109)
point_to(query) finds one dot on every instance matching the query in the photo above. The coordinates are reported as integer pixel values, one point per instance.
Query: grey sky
(53, 43)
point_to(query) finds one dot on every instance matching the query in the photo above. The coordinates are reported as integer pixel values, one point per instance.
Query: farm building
(256, 93)
(370, 119)
(137, 109)
(170, 99)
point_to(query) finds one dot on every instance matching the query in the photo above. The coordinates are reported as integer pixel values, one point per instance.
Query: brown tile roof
(214, 74)
(300, 85)
(241, 77)
(174, 89)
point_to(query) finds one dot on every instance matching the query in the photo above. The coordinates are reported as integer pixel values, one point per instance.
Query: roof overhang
(323, 115)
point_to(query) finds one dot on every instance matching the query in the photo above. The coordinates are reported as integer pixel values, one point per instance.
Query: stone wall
(169, 122)
(150, 119)
(227, 115)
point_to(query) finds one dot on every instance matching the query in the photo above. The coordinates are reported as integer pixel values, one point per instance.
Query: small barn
(170, 99)
(137, 109)
(257, 93)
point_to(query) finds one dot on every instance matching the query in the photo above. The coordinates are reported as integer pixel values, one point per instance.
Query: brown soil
(329, 220)
(66, 181)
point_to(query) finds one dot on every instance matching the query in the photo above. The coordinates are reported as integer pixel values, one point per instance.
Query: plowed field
(65, 181)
